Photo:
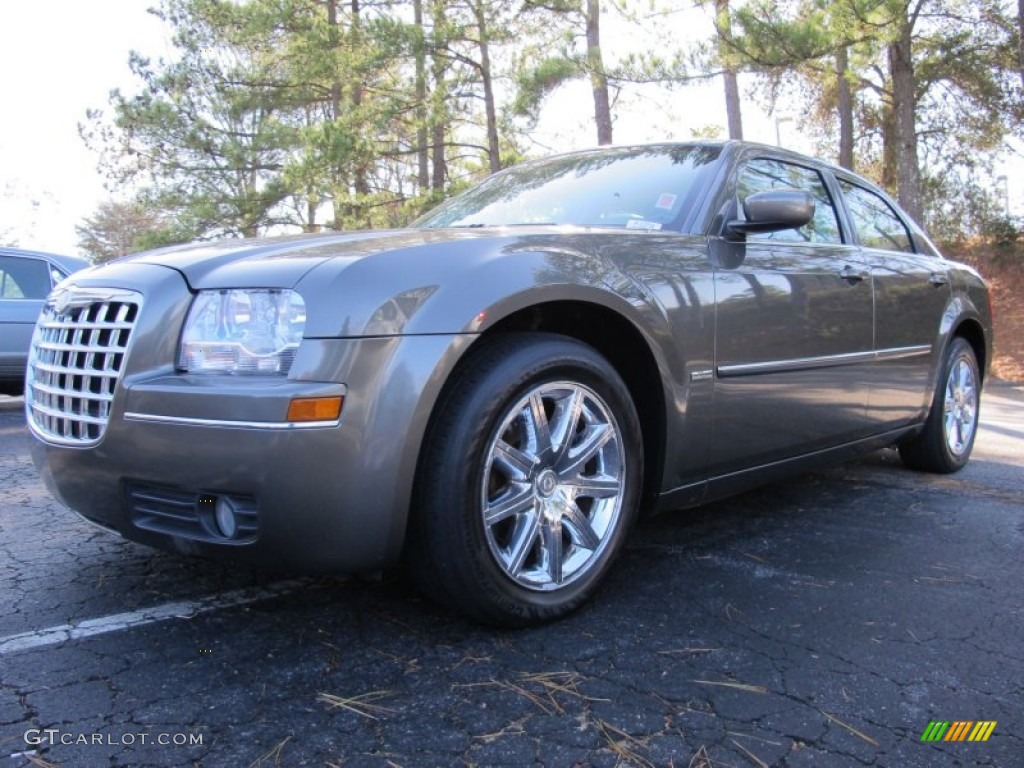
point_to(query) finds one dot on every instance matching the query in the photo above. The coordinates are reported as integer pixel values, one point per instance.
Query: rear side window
(762, 175)
(23, 278)
(876, 222)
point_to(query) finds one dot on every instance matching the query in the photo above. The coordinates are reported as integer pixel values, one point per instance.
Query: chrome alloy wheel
(960, 407)
(553, 484)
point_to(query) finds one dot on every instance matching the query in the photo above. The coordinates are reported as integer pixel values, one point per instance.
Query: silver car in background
(495, 393)
(26, 278)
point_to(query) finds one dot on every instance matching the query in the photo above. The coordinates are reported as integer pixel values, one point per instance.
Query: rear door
(793, 333)
(912, 292)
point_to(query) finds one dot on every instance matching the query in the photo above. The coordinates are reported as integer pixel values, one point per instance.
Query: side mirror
(772, 211)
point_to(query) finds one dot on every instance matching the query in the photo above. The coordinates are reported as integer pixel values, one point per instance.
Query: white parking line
(182, 609)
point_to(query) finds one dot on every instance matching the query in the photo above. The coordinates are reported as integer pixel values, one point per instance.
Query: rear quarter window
(878, 226)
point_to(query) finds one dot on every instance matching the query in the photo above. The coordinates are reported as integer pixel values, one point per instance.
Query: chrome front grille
(78, 353)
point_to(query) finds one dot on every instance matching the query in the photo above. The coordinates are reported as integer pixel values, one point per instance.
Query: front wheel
(945, 443)
(528, 481)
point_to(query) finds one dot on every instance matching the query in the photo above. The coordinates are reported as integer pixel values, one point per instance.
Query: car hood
(281, 262)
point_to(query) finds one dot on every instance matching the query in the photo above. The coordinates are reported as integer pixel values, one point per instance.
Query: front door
(793, 334)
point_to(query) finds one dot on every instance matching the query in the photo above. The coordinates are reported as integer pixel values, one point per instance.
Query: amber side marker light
(315, 408)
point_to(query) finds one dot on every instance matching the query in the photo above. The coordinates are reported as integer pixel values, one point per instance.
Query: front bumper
(321, 497)
(330, 497)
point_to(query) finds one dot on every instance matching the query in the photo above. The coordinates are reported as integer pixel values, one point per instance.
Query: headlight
(246, 331)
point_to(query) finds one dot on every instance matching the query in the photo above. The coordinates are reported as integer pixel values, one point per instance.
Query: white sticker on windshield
(666, 201)
(650, 226)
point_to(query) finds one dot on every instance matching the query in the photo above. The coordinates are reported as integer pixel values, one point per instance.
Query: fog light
(224, 516)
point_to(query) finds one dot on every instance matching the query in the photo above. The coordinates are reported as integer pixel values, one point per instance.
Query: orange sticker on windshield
(666, 201)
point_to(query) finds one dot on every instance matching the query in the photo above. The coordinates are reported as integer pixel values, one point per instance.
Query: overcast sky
(59, 58)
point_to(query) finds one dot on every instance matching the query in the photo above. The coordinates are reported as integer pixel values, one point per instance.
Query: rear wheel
(528, 481)
(945, 443)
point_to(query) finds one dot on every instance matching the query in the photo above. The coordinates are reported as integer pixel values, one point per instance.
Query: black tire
(945, 443)
(559, 509)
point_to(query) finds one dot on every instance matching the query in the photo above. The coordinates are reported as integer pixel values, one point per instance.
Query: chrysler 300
(496, 392)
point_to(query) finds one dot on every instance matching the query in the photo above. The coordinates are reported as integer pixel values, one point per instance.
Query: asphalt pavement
(825, 621)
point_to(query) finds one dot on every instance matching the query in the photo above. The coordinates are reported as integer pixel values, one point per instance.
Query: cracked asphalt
(824, 621)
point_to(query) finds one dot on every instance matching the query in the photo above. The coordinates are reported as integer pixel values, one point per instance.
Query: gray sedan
(26, 277)
(496, 393)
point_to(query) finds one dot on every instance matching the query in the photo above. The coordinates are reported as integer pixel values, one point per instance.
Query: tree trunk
(312, 195)
(437, 107)
(493, 145)
(332, 22)
(845, 108)
(598, 78)
(360, 172)
(338, 172)
(310, 225)
(422, 149)
(1020, 38)
(732, 105)
(908, 172)
(723, 27)
(890, 148)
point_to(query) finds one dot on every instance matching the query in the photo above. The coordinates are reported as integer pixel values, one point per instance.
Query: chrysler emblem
(75, 296)
(62, 299)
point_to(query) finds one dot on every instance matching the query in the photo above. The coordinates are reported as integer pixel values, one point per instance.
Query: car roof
(68, 264)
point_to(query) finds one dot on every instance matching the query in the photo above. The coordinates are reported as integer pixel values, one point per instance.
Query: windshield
(646, 188)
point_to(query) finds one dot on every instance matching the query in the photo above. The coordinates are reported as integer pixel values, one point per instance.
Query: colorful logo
(958, 730)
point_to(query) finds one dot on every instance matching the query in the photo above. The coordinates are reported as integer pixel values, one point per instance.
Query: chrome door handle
(938, 279)
(852, 274)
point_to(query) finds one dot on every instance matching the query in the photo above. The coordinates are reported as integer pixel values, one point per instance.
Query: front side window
(642, 188)
(762, 175)
(876, 222)
(23, 278)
